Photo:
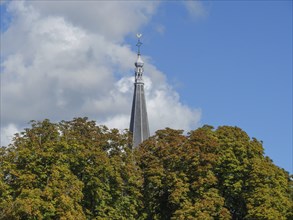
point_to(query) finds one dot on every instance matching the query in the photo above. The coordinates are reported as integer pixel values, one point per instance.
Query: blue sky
(235, 64)
(213, 62)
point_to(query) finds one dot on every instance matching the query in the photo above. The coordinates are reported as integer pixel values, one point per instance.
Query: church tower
(139, 125)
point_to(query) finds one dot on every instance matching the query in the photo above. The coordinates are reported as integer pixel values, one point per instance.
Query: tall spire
(139, 125)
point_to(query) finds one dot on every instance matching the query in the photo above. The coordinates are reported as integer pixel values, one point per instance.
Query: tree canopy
(79, 170)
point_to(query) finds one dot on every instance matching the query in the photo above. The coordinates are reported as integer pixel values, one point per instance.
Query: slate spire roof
(139, 125)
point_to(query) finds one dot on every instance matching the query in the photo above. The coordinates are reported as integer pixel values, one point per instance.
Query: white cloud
(160, 29)
(165, 110)
(163, 106)
(195, 9)
(7, 134)
(68, 59)
(112, 19)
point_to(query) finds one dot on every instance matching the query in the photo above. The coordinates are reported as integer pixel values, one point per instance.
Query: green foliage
(78, 170)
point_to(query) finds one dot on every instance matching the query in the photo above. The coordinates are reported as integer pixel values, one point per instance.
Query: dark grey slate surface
(139, 125)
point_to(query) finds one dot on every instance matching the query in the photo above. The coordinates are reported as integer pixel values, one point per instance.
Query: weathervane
(139, 43)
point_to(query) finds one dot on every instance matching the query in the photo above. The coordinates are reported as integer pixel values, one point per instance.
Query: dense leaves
(78, 170)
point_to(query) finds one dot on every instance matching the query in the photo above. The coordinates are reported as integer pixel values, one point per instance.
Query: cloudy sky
(217, 63)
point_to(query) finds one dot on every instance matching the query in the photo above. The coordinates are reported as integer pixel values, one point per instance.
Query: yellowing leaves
(78, 170)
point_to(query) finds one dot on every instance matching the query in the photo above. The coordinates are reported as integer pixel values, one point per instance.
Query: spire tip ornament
(139, 43)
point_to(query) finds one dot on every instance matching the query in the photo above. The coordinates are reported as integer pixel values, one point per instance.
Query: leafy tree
(179, 182)
(70, 170)
(208, 203)
(41, 184)
(78, 170)
(211, 174)
(253, 187)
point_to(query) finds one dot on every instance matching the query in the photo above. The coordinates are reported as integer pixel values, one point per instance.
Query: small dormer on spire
(139, 62)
